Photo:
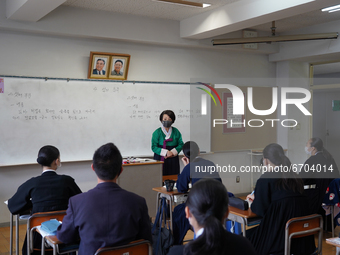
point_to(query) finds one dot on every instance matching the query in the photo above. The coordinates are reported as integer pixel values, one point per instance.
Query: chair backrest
(140, 247)
(303, 226)
(35, 220)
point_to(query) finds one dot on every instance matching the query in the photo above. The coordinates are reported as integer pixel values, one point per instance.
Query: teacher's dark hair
(170, 113)
(47, 155)
(191, 150)
(107, 162)
(288, 179)
(208, 202)
(317, 143)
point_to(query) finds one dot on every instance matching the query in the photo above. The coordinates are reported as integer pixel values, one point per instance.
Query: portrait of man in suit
(118, 65)
(100, 67)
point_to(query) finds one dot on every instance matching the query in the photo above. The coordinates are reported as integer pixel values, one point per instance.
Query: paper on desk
(42, 232)
(334, 240)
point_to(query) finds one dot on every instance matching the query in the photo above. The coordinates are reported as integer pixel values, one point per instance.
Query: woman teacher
(166, 143)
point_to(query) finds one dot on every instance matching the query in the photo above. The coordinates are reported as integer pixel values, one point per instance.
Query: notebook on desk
(50, 226)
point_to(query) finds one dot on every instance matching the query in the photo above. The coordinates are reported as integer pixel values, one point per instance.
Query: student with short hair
(191, 160)
(206, 209)
(106, 215)
(47, 192)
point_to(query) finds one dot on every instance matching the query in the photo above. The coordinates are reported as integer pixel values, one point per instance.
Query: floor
(4, 240)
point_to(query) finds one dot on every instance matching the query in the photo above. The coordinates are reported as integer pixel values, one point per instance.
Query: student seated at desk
(190, 160)
(278, 197)
(206, 209)
(44, 193)
(106, 215)
(315, 181)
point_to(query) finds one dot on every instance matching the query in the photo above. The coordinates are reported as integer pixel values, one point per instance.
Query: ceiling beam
(244, 14)
(30, 10)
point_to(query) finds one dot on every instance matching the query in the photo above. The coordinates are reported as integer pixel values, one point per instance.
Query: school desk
(335, 241)
(169, 195)
(140, 178)
(244, 217)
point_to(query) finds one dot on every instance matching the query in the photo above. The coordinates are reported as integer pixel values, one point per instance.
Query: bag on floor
(161, 233)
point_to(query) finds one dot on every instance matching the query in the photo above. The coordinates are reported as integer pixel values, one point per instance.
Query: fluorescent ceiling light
(270, 39)
(335, 10)
(185, 3)
(332, 8)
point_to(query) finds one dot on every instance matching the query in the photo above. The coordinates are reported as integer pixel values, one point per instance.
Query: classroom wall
(26, 54)
(294, 74)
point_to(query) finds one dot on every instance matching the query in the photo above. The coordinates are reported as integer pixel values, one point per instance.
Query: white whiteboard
(79, 116)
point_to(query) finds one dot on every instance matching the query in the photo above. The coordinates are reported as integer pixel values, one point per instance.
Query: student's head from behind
(274, 155)
(118, 65)
(314, 145)
(100, 64)
(191, 150)
(107, 162)
(207, 207)
(49, 156)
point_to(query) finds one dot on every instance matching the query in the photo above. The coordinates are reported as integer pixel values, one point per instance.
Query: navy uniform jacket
(49, 192)
(185, 177)
(234, 245)
(321, 179)
(105, 216)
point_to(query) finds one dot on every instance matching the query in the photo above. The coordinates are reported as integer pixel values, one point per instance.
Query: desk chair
(35, 220)
(303, 226)
(140, 247)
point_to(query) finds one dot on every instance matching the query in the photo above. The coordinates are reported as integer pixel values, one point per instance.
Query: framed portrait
(98, 66)
(119, 66)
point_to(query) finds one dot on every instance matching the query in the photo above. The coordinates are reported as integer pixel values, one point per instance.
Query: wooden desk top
(143, 163)
(335, 241)
(173, 177)
(53, 239)
(170, 193)
(243, 213)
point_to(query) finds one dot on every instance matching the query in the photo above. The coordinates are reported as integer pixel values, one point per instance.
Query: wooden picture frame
(119, 66)
(99, 62)
(114, 65)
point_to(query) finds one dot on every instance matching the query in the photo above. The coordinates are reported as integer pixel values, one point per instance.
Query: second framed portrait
(119, 66)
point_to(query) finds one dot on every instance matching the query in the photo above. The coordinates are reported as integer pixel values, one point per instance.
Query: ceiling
(148, 8)
(186, 26)
(159, 10)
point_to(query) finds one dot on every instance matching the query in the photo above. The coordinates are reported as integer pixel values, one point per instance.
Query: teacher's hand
(169, 154)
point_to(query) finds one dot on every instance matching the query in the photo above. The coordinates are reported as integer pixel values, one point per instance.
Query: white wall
(50, 56)
(294, 74)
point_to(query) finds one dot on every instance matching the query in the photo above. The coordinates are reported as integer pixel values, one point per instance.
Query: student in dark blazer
(190, 160)
(44, 193)
(106, 215)
(206, 210)
(317, 173)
